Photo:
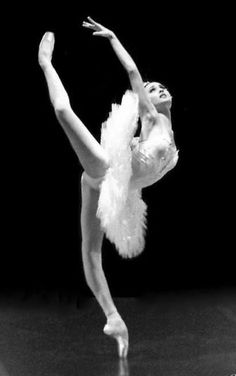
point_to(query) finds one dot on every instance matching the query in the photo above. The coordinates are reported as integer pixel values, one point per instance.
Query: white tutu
(121, 210)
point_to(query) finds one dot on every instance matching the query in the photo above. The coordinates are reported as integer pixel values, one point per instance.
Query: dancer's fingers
(88, 25)
(91, 20)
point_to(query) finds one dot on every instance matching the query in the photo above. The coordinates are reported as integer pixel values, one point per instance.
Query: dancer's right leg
(92, 237)
(92, 156)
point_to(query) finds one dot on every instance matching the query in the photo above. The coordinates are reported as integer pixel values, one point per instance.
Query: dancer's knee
(61, 108)
(92, 256)
(92, 239)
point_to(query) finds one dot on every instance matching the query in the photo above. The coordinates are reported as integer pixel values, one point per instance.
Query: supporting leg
(90, 153)
(92, 237)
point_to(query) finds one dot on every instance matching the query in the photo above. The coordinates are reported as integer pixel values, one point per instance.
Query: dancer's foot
(117, 329)
(46, 48)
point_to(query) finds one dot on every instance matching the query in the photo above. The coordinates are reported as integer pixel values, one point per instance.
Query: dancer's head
(158, 94)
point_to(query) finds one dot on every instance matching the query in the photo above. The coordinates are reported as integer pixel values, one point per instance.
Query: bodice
(151, 162)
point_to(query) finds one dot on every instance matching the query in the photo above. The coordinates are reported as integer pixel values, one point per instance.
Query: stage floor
(182, 333)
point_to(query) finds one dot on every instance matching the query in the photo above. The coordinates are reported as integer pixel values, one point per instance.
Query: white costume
(133, 166)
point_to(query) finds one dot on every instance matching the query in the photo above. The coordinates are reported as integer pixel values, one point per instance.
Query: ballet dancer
(115, 170)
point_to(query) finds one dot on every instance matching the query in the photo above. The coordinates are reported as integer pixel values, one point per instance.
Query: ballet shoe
(117, 329)
(46, 47)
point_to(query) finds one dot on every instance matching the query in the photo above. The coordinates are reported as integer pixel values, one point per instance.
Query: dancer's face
(158, 93)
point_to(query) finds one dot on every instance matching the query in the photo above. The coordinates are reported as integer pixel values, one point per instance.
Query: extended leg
(92, 237)
(90, 153)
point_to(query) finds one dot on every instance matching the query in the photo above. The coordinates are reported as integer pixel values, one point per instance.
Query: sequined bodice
(150, 163)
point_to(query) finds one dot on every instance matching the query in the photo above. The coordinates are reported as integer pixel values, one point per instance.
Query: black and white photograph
(118, 248)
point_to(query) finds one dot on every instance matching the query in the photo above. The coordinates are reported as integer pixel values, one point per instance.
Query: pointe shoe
(46, 47)
(117, 329)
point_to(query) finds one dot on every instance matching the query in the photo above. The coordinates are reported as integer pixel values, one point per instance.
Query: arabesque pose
(115, 170)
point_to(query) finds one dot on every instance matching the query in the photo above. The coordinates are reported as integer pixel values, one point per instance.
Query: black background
(190, 232)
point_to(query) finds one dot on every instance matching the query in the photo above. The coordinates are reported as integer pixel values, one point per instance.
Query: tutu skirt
(121, 209)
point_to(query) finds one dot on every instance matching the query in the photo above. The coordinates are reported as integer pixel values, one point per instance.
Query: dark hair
(146, 83)
(149, 82)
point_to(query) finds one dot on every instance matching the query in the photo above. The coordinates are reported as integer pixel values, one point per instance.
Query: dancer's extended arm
(146, 107)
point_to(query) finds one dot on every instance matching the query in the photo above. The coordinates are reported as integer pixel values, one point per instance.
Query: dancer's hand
(99, 30)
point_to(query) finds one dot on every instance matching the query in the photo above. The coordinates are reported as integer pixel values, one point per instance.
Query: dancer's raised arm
(145, 105)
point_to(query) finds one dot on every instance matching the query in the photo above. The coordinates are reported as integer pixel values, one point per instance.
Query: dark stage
(171, 334)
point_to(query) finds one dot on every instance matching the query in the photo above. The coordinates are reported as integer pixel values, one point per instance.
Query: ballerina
(115, 170)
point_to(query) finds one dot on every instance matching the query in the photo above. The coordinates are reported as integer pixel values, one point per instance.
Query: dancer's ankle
(44, 63)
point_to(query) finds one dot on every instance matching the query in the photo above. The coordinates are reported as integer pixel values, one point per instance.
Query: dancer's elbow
(132, 69)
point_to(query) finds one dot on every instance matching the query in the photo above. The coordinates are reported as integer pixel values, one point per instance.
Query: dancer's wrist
(112, 36)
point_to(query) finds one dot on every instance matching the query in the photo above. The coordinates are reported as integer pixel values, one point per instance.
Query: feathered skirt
(121, 209)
